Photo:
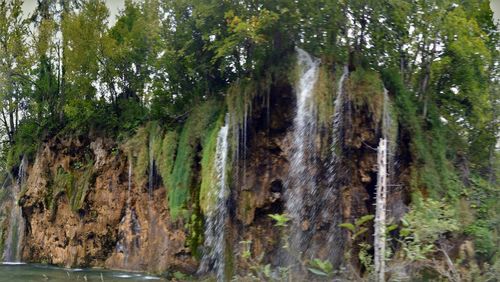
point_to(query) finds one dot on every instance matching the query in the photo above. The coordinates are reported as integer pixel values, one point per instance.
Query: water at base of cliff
(17, 272)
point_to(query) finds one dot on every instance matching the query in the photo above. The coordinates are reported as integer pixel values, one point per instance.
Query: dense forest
(172, 83)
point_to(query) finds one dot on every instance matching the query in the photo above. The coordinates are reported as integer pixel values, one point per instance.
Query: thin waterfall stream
(126, 247)
(385, 165)
(215, 236)
(15, 233)
(332, 195)
(301, 182)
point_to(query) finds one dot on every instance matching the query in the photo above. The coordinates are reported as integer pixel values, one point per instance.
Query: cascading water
(128, 215)
(215, 238)
(332, 195)
(389, 134)
(151, 169)
(339, 114)
(384, 161)
(15, 233)
(130, 229)
(129, 184)
(301, 181)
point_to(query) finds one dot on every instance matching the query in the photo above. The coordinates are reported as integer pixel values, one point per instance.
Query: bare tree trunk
(7, 128)
(425, 83)
(11, 117)
(381, 202)
(492, 176)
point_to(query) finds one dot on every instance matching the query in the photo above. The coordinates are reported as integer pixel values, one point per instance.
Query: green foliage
(321, 268)
(246, 249)
(281, 219)
(424, 224)
(483, 199)
(484, 239)
(366, 257)
(27, 140)
(180, 276)
(64, 71)
(357, 228)
(259, 271)
(431, 171)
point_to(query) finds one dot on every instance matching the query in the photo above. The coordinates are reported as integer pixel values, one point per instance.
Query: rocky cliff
(137, 204)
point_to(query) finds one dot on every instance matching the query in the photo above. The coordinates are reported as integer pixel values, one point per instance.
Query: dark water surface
(17, 272)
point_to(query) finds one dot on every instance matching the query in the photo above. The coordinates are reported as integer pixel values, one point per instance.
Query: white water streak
(385, 161)
(15, 233)
(215, 237)
(301, 179)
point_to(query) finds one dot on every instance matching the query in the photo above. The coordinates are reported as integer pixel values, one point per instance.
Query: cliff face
(83, 205)
(113, 227)
(345, 192)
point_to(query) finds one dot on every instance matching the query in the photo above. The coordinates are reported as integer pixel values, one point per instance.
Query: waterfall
(130, 228)
(15, 233)
(127, 219)
(339, 114)
(390, 134)
(215, 237)
(333, 212)
(129, 183)
(301, 180)
(151, 168)
(384, 158)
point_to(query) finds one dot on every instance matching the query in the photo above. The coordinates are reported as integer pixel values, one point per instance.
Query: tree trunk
(380, 228)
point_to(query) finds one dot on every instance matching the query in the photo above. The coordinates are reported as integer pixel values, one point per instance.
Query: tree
(83, 36)
(14, 65)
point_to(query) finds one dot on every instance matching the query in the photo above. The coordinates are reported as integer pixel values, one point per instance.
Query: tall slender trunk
(11, 118)
(380, 213)
(7, 128)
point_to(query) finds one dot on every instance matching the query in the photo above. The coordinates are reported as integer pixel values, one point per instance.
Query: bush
(427, 221)
(484, 243)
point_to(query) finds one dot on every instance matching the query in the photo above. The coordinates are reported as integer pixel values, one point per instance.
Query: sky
(114, 7)
(495, 7)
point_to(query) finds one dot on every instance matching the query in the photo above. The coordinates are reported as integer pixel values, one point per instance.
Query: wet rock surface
(115, 228)
(104, 231)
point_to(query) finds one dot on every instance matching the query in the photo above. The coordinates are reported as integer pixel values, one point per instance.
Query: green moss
(174, 154)
(83, 182)
(74, 184)
(207, 196)
(324, 93)
(431, 171)
(62, 182)
(166, 155)
(196, 233)
(137, 148)
(239, 98)
(366, 89)
(184, 185)
(151, 141)
(191, 138)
